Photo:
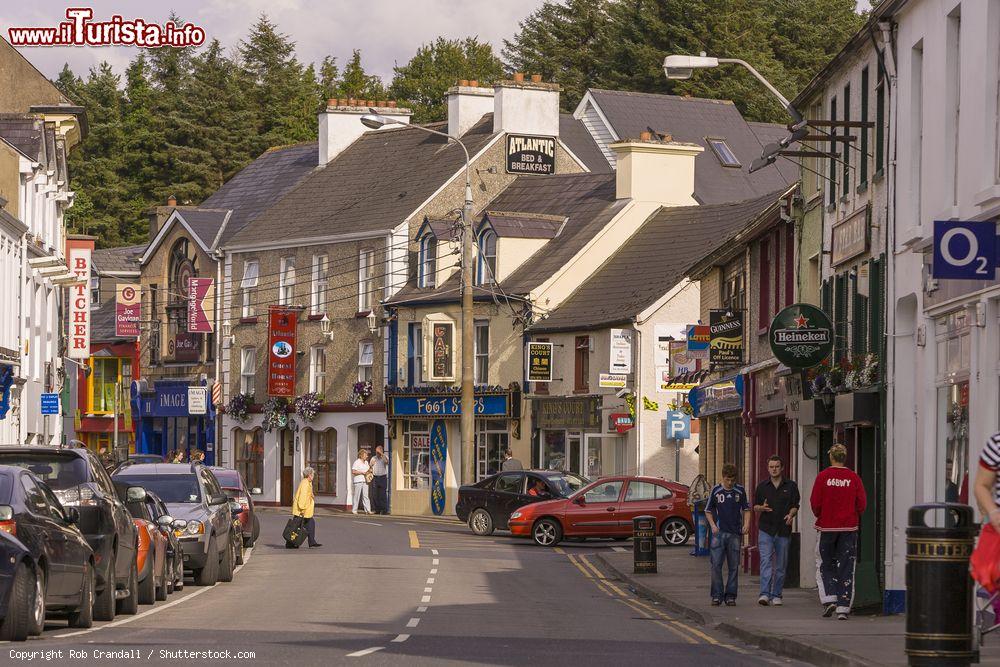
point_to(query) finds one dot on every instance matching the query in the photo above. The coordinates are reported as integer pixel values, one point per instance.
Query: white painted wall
(526, 108)
(339, 127)
(466, 106)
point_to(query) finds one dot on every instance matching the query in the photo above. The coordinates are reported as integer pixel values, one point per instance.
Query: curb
(777, 644)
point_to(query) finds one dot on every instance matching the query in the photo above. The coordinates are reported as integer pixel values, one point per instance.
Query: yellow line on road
(414, 540)
(572, 559)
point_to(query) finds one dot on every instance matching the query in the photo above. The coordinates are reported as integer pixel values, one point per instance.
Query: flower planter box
(857, 407)
(812, 412)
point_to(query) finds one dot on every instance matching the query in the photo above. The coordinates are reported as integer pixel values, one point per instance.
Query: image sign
(531, 155)
(801, 336)
(539, 362)
(281, 352)
(127, 310)
(50, 404)
(725, 337)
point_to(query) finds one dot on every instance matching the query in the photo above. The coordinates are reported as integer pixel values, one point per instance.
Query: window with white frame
(482, 353)
(366, 280)
(487, 257)
(366, 357)
(286, 288)
(248, 370)
(317, 369)
(248, 286)
(428, 261)
(95, 290)
(320, 283)
(416, 355)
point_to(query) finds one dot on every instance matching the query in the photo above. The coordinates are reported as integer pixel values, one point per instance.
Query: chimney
(651, 170)
(526, 107)
(171, 201)
(467, 104)
(340, 123)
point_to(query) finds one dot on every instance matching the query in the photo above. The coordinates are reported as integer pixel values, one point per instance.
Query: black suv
(192, 493)
(79, 480)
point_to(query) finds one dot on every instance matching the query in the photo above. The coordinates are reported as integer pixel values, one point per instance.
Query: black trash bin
(644, 544)
(939, 610)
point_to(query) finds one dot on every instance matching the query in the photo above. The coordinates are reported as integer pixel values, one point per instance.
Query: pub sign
(725, 337)
(801, 336)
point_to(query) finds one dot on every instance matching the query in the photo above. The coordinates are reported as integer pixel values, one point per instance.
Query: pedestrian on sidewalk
(305, 505)
(380, 482)
(510, 463)
(362, 474)
(838, 499)
(728, 514)
(776, 500)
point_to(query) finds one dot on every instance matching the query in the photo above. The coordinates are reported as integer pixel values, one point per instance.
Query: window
(95, 290)
(846, 157)
(953, 391)
(248, 370)
(638, 491)
(487, 258)
(953, 93)
(249, 447)
(724, 153)
(317, 369)
(916, 128)
(831, 199)
(321, 456)
(286, 288)
(863, 158)
(509, 483)
(880, 117)
(415, 356)
(428, 261)
(604, 493)
(416, 455)
(366, 355)
(482, 353)
(320, 283)
(103, 380)
(491, 442)
(581, 371)
(366, 280)
(734, 288)
(251, 275)
(154, 334)
(764, 297)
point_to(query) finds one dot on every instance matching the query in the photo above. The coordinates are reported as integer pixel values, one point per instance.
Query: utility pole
(468, 352)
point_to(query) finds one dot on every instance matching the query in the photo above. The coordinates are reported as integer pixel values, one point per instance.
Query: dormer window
(428, 261)
(487, 257)
(725, 154)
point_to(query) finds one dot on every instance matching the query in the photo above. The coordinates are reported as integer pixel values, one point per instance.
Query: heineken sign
(801, 336)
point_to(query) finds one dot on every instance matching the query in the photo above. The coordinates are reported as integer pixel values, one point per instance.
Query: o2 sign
(964, 250)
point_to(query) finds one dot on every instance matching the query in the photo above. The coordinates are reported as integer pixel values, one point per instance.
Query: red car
(605, 508)
(231, 482)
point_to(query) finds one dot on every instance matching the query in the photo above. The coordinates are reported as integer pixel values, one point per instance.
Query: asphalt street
(397, 590)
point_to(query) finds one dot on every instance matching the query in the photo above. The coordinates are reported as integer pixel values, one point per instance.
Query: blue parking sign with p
(678, 425)
(964, 250)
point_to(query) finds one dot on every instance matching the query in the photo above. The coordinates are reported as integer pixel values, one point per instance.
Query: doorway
(287, 457)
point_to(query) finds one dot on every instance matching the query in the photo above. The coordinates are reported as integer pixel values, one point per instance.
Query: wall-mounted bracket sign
(965, 250)
(801, 336)
(539, 361)
(531, 155)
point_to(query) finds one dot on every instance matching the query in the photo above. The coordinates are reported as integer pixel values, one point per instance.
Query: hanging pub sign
(698, 338)
(79, 304)
(849, 238)
(801, 336)
(531, 155)
(539, 362)
(442, 353)
(127, 308)
(725, 346)
(200, 305)
(281, 352)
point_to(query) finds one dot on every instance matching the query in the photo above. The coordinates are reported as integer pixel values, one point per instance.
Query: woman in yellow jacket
(305, 503)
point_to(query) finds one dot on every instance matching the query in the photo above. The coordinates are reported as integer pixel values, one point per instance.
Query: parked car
(18, 592)
(232, 483)
(151, 556)
(64, 582)
(488, 504)
(169, 527)
(605, 508)
(78, 480)
(137, 458)
(191, 492)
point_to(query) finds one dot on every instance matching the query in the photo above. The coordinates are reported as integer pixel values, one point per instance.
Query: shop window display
(416, 455)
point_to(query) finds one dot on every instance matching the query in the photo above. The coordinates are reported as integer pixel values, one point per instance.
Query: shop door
(574, 453)
(867, 589)
(594, 465)
(287, 440)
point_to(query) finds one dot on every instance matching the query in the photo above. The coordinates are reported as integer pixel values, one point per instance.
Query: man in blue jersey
(728, 514)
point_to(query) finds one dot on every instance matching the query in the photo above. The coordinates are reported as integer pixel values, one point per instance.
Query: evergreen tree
(358, 84)
(423, 81)
(329, 74)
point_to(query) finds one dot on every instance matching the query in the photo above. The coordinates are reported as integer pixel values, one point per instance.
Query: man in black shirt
(776, 500)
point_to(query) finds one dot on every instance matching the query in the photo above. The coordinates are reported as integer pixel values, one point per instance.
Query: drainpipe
(219, 258)
(636, 353)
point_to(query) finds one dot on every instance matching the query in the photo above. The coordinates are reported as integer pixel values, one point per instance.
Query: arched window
(428, 261)
(183, 266)
(487, 257)
(321, 456)
(249, 448)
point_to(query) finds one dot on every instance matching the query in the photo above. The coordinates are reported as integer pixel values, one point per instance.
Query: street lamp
(377, 121)
(678, 67)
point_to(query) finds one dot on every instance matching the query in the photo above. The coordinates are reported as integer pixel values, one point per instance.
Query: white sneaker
(762, 600)
(354, 511)
(776, 602)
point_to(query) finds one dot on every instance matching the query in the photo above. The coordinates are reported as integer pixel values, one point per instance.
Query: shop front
(426, 449)
(570, 434)
(719, 405)
(166, 421)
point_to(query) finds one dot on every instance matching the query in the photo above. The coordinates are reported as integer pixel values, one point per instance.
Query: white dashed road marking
(412, 623)
(426, 598)
(401, 638)
(358, 654)
(421, 609)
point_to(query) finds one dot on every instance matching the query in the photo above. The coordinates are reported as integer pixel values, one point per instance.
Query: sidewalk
(796, 630)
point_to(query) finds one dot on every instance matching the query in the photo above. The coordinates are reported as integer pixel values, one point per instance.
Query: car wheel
(17, 621)
(147, 587)
(209, 575)
(104, 603)
(226, 566)
(161, 590)
(481, 523)
(130, 605)
(249, 542)
(83, 616)
(237, 542)
(38, 608)
(547, 533)
(169, 583)
(675, 532)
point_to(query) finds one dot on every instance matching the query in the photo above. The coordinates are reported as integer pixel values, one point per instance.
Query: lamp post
(376, 121)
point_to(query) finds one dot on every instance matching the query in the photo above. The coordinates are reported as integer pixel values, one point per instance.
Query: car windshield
(58, 470)
(227, 478)
(5, 486)
(170, 488)
(566, 484)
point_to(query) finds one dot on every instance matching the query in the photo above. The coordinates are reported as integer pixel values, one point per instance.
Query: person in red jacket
(837, 499)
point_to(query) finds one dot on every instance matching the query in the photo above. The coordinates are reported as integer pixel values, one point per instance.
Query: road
(395, 590)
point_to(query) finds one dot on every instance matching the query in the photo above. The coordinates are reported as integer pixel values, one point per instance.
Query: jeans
(773, 563)
(838, 552)
(380, 501)
(310, 525)
(725, 546)
(361, 493)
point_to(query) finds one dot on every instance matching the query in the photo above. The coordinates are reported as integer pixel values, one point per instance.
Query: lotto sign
(127, 309)
(698, 337)
(79, 304)
(964, 250)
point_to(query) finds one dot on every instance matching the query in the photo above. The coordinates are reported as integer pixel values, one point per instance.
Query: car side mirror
(72, 515)
(255, 491)
(166, 521)
(580, 500)
(179, 524)
(135, 494)
(235, 508)
(218, 499)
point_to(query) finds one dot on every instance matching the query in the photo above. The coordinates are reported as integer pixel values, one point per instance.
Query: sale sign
(79, 304)
(281, 352)
(127, 310)
(201, 294)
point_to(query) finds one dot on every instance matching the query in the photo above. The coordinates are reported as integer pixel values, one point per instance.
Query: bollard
(700, 529)
(644, 544)
(939, 609)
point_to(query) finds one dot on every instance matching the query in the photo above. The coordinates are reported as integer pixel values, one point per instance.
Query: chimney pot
(474, 83)
(350, 101)
(645, 136)
(171, 201)
(381, 104)
(463, 82)
(370, 103)
(536, 78)
(518, 76)
(332, 102)
(392, 104)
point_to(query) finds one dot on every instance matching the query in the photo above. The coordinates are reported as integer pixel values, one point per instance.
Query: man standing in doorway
(380, 482)
(838, 499)
(510, 463)
(777, 501)
(728, 514)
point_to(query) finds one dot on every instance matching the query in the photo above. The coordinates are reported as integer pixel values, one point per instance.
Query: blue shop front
(167, 419)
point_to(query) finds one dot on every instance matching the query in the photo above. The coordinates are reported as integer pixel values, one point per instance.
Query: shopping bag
(295, 532)
(985, 562)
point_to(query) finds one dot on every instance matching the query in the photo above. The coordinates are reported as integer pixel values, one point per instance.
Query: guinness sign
(801, 336)
(725, 343)
(531, 155)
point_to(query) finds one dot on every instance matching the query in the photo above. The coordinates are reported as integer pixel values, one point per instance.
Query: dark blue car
(18, 594)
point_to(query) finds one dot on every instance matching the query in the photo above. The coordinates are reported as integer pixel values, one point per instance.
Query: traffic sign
(964, 250)
(678, 425)
(50, 404)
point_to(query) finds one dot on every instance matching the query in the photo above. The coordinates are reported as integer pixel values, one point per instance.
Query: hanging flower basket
(307, 405)
(239, 407)
(275, 414)
(362, 392)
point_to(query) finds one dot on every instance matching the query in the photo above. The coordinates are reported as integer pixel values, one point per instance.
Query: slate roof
(691, 119)
(27, 133)
(576, 137)
(525, 225)
(121, 259)
(204, 222)
(102, 321)
(653, 261)
(374, 184)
